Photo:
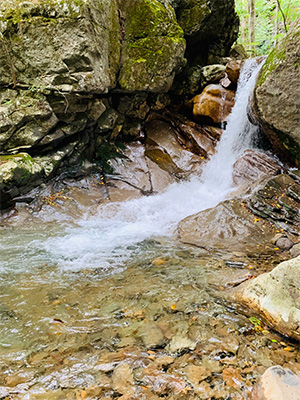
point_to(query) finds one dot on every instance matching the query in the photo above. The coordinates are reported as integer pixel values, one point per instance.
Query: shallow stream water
(109, 304)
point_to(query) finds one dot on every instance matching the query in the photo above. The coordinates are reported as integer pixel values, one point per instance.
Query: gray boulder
(277, 100)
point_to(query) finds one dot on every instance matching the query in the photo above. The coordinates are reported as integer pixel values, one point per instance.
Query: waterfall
(239, 134)
(115, 234)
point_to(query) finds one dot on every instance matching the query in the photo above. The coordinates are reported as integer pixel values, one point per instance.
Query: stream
(110, 305)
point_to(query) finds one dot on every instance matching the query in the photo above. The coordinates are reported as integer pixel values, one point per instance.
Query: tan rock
(275, 296)
(295, 250)
(277, 383)
(122, 380)
(151, 335)
(233, 69)
(213, 104)
(196, 373)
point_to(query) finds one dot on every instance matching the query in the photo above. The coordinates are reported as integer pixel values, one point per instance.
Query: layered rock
(275, 296)
(69, 46)
(277, 101)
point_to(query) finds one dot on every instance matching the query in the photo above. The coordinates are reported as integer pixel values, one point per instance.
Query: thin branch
(283, 15)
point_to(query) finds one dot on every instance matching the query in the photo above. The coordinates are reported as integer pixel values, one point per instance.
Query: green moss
(192, 15)
(273, 61)
(146, 59)
(146, 18)
(20, 156)
(43, 10)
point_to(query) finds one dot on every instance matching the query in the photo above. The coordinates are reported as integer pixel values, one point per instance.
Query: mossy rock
(192, 15)
(67, 45)
(153, 49)
(151, 64)
(277, 100)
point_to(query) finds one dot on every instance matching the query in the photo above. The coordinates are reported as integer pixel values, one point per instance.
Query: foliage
(270, 19)
(109, 151)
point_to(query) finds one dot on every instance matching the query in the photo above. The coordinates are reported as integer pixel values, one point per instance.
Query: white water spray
(105, 241)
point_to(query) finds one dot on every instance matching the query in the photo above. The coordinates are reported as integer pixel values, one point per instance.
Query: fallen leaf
(158, 261)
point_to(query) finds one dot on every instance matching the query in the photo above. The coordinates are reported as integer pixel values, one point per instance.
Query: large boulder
(249, 224)
(227, 226)
(277, 100)
(65, 45)
(275, 296)
(86, 45)
(277, 383)
(153, 46)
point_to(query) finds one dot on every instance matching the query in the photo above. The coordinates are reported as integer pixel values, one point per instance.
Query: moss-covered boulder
(277, 100)
(153, 46)
(16, 173)
(68, 45)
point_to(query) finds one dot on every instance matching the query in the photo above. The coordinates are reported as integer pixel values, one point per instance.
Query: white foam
(108, 239)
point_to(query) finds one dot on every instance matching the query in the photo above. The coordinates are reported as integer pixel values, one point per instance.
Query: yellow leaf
(158, 261)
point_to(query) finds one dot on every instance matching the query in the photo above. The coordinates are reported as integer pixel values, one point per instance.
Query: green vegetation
(109, 151)
(272, 20)
(149, 18)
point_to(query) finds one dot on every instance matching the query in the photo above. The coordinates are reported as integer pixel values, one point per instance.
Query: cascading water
(109, 238)
(69, 330)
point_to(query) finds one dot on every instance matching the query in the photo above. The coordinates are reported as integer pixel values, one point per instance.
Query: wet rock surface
(275, 297)
(95, 82)
(252, 166)
(228, 225)
(277, 383)
(214, 104)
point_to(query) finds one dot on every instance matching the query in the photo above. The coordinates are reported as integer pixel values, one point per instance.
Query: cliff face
(277, 100)
(76, 73)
